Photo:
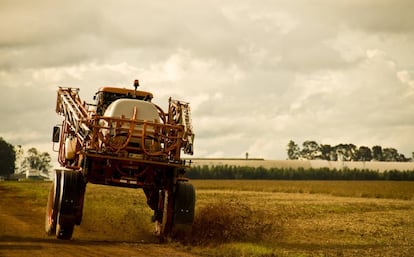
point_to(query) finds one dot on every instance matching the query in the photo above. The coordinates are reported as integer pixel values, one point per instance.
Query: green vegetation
(7, 158)
(34, 191)
(245, 172)
(14, 160)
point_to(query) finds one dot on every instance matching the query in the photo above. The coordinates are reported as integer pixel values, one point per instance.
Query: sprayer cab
(106, 95)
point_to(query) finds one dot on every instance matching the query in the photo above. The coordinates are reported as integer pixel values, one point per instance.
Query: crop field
(251, 218)
(311, 218)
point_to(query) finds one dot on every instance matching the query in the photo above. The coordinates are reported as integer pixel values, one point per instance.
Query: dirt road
(22, 234)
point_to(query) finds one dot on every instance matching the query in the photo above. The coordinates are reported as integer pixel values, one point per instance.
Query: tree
(310, 150)
(392, 155)
(352, 152)
(364, 153)
(7, 158)
(293, 150)
(19, 163)
(377, 153)
(327, 152)
(342, 152)
(402, 158)
(45, 159)
(38, 161)
(389, 154)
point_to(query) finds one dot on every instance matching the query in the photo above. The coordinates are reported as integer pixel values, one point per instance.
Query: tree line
(13, 159)
(311, 150)
(246, 172)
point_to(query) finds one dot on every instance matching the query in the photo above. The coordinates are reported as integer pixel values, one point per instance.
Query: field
(320, 218)
(233, 218)
(306, 164)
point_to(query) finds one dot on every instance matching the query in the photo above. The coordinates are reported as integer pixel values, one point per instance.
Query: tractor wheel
(71, 200)
(184, 205)
(164, 226)
(52, 208)
(178, 211)
(79, 211)
(65, 231)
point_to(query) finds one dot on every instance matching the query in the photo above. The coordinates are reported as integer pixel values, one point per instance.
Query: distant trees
(37, 161)
(7, 158)
(311, 150)
(13, 159)
(391, 154)
(32, 161)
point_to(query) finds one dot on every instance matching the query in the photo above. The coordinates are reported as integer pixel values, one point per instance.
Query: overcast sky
(257, 73)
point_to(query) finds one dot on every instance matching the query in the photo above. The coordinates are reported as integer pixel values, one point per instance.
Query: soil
(22, 234)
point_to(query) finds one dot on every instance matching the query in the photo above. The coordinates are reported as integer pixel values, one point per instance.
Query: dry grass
(318, 218)
(261, 218)
(116, 214)
(367, 189)
(233, 220)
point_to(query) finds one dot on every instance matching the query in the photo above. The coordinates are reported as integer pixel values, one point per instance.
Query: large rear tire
(72, 189)
(184, 209)
(178, 211)
(165, 222)
(52, 208)
(64, 229)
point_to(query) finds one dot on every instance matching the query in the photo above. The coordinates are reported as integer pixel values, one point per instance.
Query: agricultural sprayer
(124, 140)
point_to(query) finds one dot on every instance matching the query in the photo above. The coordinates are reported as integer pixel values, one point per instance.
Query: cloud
(256, 74)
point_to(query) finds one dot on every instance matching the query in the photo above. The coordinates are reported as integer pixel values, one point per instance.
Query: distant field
(259, 218)
(378, 166)
(403, 190)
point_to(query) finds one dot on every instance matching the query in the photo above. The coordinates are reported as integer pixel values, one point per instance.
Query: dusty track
(22, 234)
